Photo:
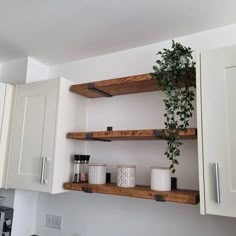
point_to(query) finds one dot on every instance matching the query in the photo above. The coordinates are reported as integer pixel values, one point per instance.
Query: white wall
(14, 72)
(25, 206)
(139, 60)
(94, 214)
(36, 71)
(23, 70)
(88, 215)
(8, 195)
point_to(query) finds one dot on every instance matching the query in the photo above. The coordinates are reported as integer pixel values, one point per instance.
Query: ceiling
(57, 31)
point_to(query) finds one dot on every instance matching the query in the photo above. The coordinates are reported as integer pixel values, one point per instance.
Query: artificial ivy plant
(174, 72)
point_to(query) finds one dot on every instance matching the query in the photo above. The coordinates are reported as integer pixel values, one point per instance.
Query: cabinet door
(218, 88)
(6, 96)
(2, 152)
(33, 135)
(2, 102)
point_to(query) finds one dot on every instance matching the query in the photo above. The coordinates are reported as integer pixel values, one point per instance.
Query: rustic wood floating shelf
(147, 134)
(178, 196)
(120, 86)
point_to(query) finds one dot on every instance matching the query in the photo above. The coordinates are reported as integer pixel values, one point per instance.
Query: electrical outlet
(53, 221)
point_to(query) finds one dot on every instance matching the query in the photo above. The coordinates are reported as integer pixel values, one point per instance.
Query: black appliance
(6, 217)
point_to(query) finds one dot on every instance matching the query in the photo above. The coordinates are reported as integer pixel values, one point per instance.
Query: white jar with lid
(160, 178)
(126, 175)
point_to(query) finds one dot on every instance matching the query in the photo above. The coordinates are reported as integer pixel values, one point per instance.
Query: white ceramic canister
(97, 174)
(126, 176)
(160, 178)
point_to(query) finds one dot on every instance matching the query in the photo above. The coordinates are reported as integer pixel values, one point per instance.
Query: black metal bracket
(159, 198)
(87, 190)
(96, 90)
(90, 137)
(160, 134)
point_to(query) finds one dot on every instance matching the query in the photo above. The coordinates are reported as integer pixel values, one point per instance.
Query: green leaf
(155, 68)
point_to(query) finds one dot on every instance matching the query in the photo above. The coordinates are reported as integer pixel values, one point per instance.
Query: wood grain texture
(148, 134)
(126, 85)
(178, 196)
(120, 86)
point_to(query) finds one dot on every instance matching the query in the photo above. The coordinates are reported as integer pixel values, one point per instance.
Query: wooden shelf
(179, 196)
(120, 86)
(147, 134)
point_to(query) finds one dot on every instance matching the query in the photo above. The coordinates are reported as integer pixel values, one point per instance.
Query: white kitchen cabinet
(40, 154)
(216, 92)
(6, 96)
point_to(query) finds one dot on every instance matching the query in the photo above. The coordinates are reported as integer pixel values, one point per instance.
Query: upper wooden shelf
(120, 86)
(179, 196)
(147, 134)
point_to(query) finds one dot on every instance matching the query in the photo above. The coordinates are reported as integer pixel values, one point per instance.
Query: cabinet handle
(43, 167)
(217, 182)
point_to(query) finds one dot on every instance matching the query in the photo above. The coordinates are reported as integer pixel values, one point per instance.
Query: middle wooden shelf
(145, 134)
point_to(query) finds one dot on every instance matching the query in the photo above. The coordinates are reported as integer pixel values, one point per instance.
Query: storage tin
(97, 174)
(126, 176)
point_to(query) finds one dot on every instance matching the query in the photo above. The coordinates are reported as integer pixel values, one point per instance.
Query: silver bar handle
(43, 167)
(217, 182)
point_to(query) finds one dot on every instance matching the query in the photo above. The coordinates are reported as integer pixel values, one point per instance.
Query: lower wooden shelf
(179, 196)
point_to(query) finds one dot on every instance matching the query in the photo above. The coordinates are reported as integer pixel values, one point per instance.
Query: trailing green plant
(174, 72)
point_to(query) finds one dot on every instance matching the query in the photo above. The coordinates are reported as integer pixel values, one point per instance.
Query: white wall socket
(53, 221)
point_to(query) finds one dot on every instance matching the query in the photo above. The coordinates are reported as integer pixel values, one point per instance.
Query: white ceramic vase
(160, 179)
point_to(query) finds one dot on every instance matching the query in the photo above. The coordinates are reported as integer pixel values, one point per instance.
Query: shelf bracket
(87, 190)
(96, 90)
(160, 134)
(159, 198)
(90, 137)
